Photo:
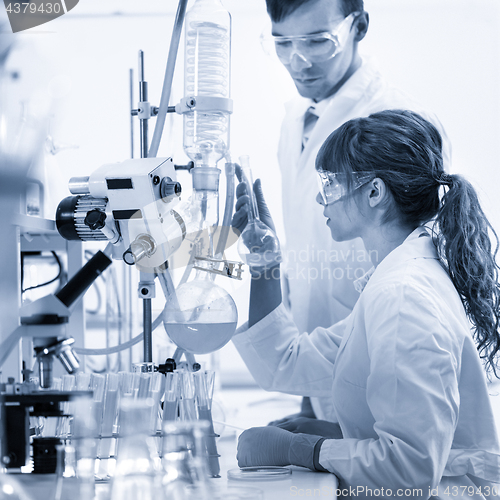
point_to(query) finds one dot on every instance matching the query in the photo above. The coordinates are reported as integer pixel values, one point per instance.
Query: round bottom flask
(200, 317)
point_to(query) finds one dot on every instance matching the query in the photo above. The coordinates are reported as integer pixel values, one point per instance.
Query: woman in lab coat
(408, 383)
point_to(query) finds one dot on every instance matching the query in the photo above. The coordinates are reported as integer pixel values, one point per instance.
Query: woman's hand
(262, 446)
(242, 207)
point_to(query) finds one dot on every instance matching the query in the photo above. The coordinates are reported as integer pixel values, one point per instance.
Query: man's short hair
(279, 9)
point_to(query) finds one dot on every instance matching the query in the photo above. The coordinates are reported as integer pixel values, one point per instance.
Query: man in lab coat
(317, 41)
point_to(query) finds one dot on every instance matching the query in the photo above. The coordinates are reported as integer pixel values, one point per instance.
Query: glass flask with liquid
(258, 245)
(207, 75)
(201, 316)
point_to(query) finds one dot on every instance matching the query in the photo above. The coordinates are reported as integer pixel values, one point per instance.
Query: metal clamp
(230, 268)
(145, 111)
(204, 103)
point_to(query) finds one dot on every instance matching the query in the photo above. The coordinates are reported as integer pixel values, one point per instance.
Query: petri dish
(269, 473)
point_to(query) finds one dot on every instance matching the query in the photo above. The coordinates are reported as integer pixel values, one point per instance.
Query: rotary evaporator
(137, 205)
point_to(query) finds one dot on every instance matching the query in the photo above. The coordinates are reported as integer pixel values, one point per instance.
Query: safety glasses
(331, 187)
(314, 48)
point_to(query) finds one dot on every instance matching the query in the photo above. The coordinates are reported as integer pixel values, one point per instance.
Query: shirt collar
(360, 283)
(417, 244)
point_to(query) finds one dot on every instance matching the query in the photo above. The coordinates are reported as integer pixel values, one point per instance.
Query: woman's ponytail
(464, 245)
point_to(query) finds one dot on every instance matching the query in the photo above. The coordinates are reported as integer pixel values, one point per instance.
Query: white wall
(444, 52)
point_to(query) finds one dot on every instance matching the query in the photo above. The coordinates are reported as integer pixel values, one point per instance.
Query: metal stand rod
(143, 97)
(143, 122)
(131, 93)
(148, 330)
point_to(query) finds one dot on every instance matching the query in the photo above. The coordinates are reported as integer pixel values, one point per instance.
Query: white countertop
(301, 483)
(238, 408)
(254, 408)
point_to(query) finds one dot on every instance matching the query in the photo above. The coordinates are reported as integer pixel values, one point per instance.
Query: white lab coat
(320, 272)
(408, 387)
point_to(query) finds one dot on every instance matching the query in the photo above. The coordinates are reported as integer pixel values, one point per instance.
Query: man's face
(317, 80)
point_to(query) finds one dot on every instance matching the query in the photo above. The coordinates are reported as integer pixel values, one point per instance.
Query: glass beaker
(135, 473)
(11, 488)
(83, 446)
(258, 245)
(201, 316)
(184, 459)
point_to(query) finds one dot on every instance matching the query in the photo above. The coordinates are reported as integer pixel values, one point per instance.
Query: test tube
(68, 385)
(126, 386)
(97, 384)
(50, 424)
(107, 426)
(247, 178)
(171, 398)
(83, 381)
(156, 389)
(204, 386)
(187, 403)
(142, 382)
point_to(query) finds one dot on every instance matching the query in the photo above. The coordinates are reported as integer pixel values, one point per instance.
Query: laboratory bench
(300, 483)
(253, 407)
(238, 409)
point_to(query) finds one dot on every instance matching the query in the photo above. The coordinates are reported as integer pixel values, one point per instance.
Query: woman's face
(343, 206)
(345, 216)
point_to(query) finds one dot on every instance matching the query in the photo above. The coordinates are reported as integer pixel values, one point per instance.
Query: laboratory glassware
(207, 76)
(82, 447)
(171, 397)
(187, 402)
(184, 459)
(108, 424)
(204, 388)
(270, 473)
(11, 488)
(258, 245)
(135, 473)
(201, 316)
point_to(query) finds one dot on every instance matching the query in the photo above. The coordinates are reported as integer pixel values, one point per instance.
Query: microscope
(44, 321)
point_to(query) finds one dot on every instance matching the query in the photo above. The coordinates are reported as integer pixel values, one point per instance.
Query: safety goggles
(315, 48)
(332, 189)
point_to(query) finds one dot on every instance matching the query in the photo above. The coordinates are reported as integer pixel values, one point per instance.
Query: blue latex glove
(240, 217)
(261, 446)
(313, 426)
